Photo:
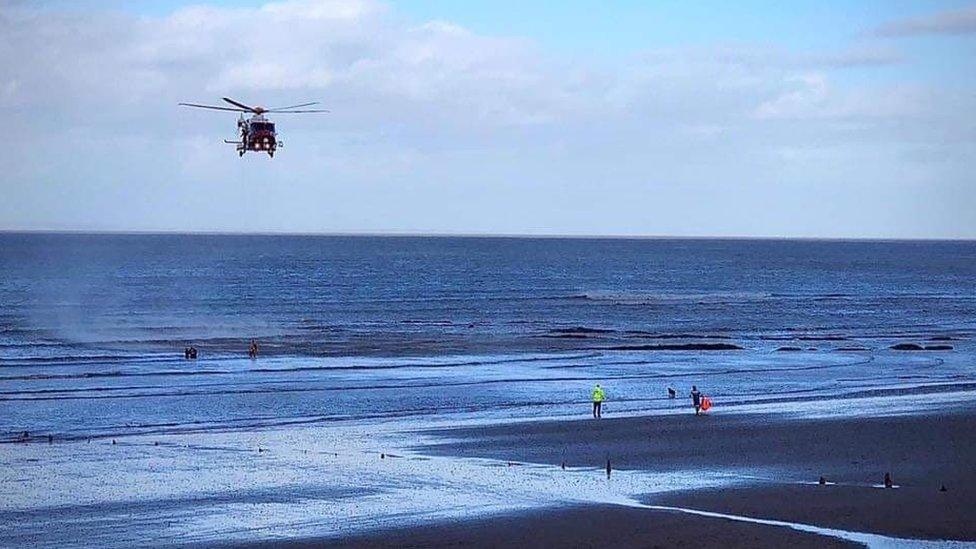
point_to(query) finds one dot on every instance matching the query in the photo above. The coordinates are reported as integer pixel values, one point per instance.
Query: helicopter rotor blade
(216, 108)
(293, 106)
(243, 106)
(295, 112)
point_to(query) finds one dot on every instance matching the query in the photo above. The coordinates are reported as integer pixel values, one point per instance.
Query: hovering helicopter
(257, 132)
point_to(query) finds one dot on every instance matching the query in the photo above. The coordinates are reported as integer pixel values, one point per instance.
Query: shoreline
(756, 476)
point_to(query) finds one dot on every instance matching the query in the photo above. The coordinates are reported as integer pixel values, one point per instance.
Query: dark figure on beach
(887, 481)
(608, 469)
(598, 398)
(672, 393)
(696, 399)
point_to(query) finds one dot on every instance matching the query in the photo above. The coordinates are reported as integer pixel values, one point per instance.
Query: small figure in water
(186, 353)
(193, 352)
(608, 469)
(672, 393)
(598, 398)
(252, 351)
(696, 399)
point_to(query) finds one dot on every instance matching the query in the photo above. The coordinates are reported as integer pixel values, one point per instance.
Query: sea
(365, 341)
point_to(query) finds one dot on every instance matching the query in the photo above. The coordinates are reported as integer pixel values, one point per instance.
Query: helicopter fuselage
(257, 134)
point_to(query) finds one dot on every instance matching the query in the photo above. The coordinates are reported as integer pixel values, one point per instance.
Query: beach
(587, 526)
(728, 478)
(773, 464)
(778, 462)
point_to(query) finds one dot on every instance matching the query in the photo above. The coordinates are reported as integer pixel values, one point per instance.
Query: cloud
(435, 126)
(858, 56)
(961, 21)
(812, 97)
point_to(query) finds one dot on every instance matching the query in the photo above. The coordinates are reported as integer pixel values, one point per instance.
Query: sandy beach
(585, 526)
(779, 461)
(775, 461)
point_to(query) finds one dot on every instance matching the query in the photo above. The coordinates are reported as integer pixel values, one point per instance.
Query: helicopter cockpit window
(262, 127)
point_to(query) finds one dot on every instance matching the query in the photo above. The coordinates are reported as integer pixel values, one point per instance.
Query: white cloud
(812, 97)
(425, 113)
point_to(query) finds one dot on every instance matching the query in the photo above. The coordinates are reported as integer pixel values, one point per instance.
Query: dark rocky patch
(938, 347)
(907, 347)
(652, 335)
(676, 347)
(789, 349)
(576, 330)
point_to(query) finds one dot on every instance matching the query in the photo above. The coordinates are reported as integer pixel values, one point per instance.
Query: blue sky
(624, 26)
(814, 119)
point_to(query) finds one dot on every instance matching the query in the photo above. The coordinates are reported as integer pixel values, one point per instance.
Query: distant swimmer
(192, 353)
(252, 351)
(672, 393)
(186, 353)
(598, 398)
(696, 399)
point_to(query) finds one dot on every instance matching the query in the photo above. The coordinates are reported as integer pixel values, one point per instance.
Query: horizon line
(560, 236)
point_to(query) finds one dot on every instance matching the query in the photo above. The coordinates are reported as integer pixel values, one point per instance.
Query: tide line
(873, 541)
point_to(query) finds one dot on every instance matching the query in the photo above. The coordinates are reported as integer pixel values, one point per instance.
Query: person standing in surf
(696, 399)
(598, 398)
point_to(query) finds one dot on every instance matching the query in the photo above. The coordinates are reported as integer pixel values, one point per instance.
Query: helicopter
(257, 133)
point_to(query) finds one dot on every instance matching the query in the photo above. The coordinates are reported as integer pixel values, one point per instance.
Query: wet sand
(601, 526)
(777, 462)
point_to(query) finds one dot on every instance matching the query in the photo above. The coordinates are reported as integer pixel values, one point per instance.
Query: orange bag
(706, 404)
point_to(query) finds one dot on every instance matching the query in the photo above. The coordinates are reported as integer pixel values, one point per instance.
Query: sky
(821, 119)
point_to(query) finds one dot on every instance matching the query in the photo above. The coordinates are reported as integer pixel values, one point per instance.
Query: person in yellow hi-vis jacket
(598, 398)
